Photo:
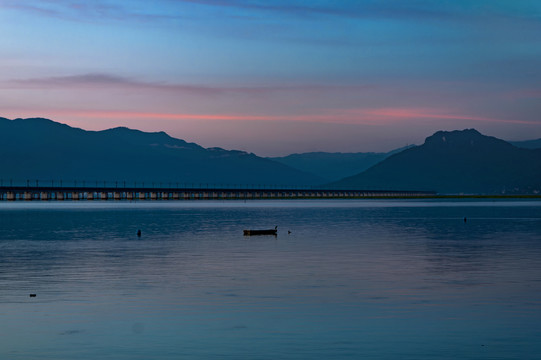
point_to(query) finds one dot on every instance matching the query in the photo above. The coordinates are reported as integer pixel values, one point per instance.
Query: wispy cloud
(79, 10)
(104, 81)
(429, 113)
(391, 9)
(365, 9)
(72, 9)
(371, 117)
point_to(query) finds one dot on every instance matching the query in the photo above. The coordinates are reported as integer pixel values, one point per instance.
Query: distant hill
(528, 144)
(334, 166)
(456, 162)
(42, 149)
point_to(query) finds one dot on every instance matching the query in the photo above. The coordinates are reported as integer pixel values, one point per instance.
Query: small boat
(261, 232)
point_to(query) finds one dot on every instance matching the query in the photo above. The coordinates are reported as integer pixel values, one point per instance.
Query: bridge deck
(12, 193)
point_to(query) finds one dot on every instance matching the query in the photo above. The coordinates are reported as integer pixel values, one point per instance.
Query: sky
(276, 77)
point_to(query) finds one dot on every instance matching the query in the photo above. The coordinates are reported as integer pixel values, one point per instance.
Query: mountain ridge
(527, 144)
(39, 148)
(460, 161)
(334, 166)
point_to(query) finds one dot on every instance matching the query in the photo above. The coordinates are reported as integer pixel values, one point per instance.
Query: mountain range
(528, 144)
(42, 149)
(334, 166)
(448, 162)
(456, 162)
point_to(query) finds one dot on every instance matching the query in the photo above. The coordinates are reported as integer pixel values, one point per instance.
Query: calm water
(353, 280)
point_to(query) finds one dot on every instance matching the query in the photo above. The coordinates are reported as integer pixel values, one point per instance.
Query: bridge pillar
(142, 195)
(117, 195)
(153, 196)
(90, 195)
(44, 195)
(129, 195)
(11, 196)
(74, 196)
(28, 195)
(60, 196)
(104, 195)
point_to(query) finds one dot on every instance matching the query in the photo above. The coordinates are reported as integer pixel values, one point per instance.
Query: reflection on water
(353, 279)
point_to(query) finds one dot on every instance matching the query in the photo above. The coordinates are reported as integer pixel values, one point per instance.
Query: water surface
(354, 279)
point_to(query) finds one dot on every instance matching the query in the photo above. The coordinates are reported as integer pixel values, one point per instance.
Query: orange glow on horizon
(374, 117)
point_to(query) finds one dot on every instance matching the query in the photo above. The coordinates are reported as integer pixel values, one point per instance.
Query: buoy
(139, 233)
(289, 232)
(32, 295)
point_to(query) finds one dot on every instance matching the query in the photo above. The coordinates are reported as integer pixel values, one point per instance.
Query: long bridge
(45, 193)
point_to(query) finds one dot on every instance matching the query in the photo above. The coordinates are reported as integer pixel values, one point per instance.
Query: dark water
(353, 280)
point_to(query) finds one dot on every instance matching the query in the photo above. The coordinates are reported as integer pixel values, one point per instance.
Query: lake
(374, 279)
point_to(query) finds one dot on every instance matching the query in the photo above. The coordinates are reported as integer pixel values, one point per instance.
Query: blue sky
(276, 77)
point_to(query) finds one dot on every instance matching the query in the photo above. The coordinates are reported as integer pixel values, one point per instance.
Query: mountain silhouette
(334, 166)
(527, 144)
(456, 162)
(41, 149)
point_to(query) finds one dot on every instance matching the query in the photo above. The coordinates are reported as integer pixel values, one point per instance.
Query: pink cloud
(371, 117)
(328, 116)
(429, 113)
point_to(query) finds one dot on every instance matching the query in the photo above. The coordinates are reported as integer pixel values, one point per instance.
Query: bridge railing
(158, 185)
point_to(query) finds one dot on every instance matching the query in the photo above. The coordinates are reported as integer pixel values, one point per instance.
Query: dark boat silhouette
(262, 232)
